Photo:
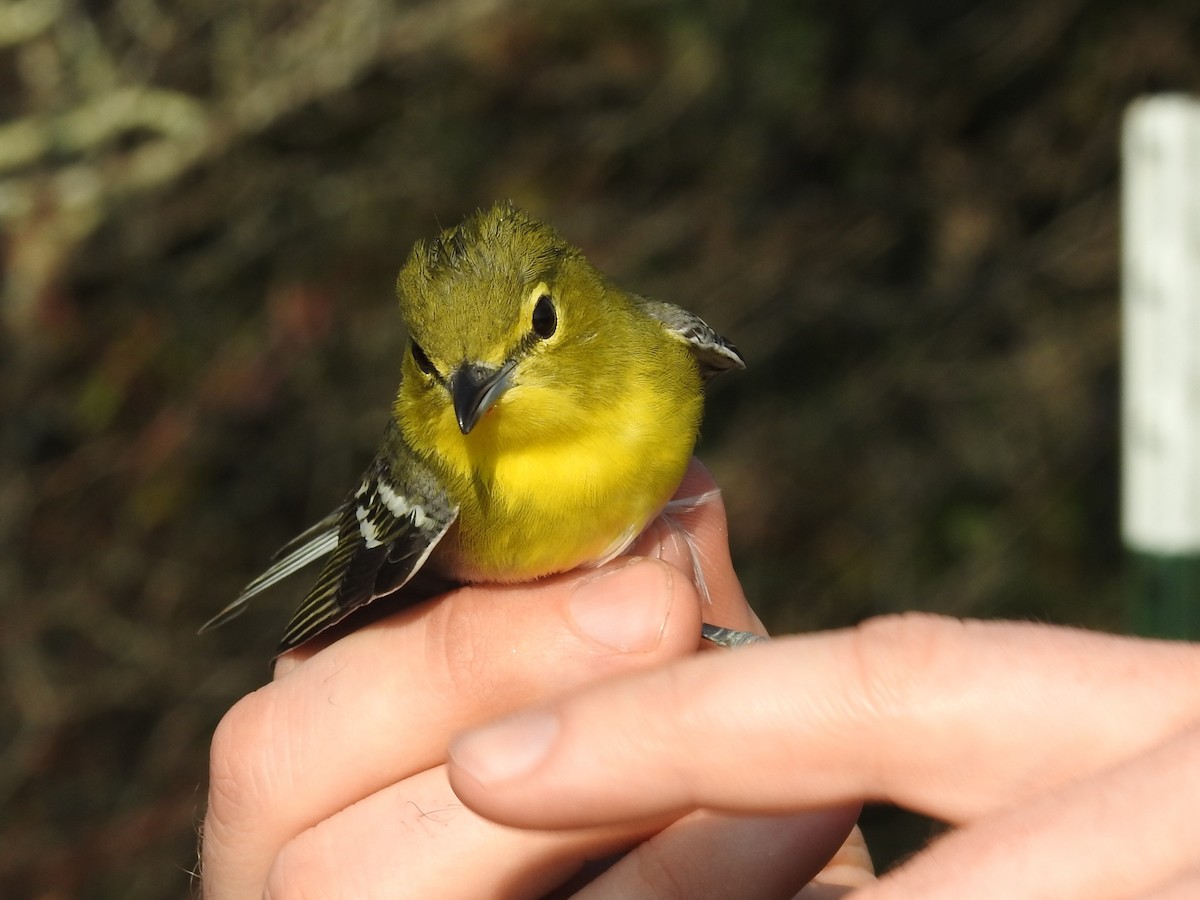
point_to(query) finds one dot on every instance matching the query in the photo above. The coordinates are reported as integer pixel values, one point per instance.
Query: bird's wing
(378, 539)
(384, 533)
(315, 542)
(714, 353)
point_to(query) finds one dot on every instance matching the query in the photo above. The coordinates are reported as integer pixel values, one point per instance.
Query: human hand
(1069, 761)
(331, 782)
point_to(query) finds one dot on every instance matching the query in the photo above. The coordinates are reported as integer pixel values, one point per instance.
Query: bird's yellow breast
(544, 486)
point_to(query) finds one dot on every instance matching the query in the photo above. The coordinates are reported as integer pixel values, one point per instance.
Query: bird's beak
(475, 388)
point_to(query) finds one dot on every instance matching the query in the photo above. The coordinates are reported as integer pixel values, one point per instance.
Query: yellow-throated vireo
(544, 418)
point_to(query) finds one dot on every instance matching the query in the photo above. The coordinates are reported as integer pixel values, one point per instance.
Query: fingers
(707, 854)
(952, 719)
(415, 839)
(379, 705)
(355, 721)
(763, 857)
(850, 867)
(1128, 832)
(1185, 887)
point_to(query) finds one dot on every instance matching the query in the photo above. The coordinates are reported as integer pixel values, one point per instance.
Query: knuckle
(662, 876)
(313, 866)
(457, 656)
(238, 784)
(291, 875)
(897, 657)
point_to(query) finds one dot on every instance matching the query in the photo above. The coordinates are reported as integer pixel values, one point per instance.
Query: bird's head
(503, 317)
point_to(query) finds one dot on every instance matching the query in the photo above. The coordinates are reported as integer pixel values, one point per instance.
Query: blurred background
(905, 215)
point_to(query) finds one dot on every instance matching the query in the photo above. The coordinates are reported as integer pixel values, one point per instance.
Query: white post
(1160, 239)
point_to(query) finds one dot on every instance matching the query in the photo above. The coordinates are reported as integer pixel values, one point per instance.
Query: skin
(1065, 761)
(332, 781)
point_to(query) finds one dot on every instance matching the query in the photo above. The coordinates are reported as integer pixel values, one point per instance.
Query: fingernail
(507, 749)
(624, 608)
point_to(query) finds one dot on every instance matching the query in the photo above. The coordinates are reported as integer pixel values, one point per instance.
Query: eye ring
(545, 317)
(422, 360)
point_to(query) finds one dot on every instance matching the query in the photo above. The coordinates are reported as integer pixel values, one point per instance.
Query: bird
(545, 417)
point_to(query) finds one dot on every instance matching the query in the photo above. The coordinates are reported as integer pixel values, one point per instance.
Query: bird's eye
(545, 319)
(422, 360)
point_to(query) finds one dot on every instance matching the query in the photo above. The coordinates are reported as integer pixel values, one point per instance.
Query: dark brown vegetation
(904, 214)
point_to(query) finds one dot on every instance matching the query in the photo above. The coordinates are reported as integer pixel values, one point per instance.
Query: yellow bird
(544, 418)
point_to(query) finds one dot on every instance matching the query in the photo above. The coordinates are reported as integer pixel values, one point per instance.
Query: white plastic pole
(1160, 240)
